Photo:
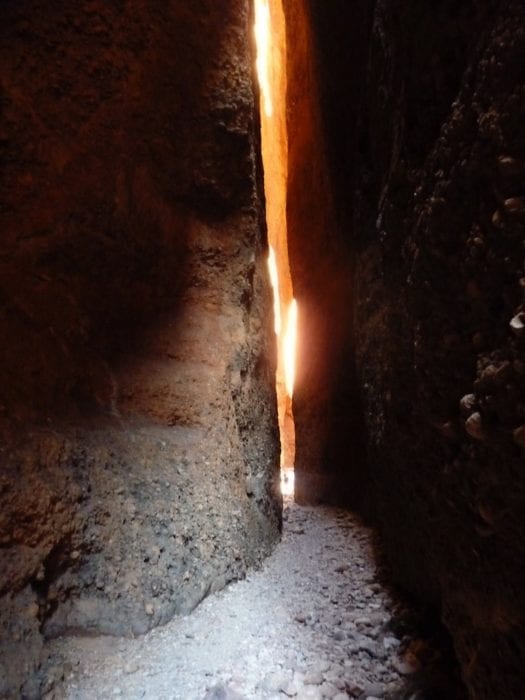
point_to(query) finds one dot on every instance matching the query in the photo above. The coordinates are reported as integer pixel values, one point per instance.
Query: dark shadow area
(426, 644)
(111, 146)
(424, 160)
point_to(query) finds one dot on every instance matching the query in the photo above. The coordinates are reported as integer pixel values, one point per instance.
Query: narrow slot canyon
(270, 47)
(262, 407)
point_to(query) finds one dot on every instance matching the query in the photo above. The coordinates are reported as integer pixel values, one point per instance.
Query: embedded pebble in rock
(473, 426)
(311, 624)
(517, 323)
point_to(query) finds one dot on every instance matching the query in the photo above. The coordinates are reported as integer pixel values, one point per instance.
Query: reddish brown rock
(140, 450)
(321, 269)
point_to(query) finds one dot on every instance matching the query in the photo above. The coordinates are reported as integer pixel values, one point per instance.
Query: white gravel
(312, 623)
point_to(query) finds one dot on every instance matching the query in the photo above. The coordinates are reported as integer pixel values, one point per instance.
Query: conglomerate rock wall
(139, 460)
(433, 184)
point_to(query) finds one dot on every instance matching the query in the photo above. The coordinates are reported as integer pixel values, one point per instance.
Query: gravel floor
(312, 623)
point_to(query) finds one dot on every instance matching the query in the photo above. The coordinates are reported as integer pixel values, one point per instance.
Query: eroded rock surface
(423, 109)
(320, 264)
(140, 453)
(437, 229)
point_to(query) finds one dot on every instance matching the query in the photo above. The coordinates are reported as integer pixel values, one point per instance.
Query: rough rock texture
(138, 418)
(321, 277)
(438, 221)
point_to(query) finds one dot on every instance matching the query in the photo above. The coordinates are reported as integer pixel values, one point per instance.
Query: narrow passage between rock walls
(312, 623)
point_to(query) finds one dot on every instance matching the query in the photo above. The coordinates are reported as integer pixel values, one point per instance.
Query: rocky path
(313, 623)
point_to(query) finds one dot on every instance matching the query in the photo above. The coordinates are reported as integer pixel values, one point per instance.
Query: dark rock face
(320, 266)
(437, 232)
(138, 417)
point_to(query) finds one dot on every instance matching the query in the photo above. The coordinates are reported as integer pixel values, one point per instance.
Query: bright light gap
(273, 120)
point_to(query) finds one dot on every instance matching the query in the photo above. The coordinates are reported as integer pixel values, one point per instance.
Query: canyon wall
(140, 452)
(320, 265)
(435, 205)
